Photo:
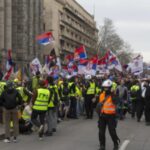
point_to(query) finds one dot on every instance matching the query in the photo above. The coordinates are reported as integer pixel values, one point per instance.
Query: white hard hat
(88, 77)
(107, 83)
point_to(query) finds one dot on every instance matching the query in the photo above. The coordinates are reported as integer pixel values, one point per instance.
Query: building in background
(22, 20)
(20, 23)
(71, 25)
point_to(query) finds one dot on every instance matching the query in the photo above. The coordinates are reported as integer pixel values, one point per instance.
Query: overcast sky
(131, 19)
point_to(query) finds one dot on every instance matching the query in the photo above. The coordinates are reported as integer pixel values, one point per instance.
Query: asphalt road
(82, 134)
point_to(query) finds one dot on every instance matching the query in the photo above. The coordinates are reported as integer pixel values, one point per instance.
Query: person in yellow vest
(25, 125)
(64, 96)
(10, 100)
(90, 94)
(2, 88)
(107, 115)
(73, 94)
(40, 101)
(138, 99)
(35, 81)
(24, 92)
(52, 107)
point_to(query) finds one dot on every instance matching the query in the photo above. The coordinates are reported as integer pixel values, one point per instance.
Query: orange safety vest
(108, 106)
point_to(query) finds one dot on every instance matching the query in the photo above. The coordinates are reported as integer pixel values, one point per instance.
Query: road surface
(82, 134)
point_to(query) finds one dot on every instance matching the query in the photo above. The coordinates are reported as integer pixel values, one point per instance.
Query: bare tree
(108, 38)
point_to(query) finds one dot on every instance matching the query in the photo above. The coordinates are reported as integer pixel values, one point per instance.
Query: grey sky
(131, 19)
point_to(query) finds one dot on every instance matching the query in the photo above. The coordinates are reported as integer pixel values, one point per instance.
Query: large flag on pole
(9, 62)
(113, 61)
(9, 66)
(80, 53)
(45, 38)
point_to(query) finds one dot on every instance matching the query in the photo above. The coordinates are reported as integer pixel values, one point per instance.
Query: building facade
(71, 25)
(20, 23)
(22, 20)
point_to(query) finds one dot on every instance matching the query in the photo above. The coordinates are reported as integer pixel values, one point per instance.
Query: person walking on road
(10, 100)
(40, 100)
(107, 116)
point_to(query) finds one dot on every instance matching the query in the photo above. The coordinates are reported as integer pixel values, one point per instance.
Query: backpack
(54, 95)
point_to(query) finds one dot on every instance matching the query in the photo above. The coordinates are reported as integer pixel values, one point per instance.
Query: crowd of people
(39, 104)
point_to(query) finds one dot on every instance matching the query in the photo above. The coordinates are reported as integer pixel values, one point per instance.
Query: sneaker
(7, 140)
(15, 140)
(40, 138)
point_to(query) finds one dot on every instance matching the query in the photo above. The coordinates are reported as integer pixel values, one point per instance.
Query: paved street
(82, 135)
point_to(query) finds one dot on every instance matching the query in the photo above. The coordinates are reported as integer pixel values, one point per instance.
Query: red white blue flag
(45, 38)
(80, 53)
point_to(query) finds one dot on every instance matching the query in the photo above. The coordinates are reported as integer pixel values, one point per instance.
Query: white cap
(107, 83)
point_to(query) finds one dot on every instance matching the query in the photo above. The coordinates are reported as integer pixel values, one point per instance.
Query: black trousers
(34, 118)
(73, 107)
(147, 111)
(110, 121)
(134, 108)
(89, 105)
(140, 108)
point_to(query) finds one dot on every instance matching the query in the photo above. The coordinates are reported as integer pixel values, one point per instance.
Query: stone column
(8, 24)
(2, 23)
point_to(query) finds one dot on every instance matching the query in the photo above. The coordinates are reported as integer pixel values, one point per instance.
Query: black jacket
(10, 99)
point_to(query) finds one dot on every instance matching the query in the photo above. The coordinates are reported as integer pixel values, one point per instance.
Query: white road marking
(124, 145)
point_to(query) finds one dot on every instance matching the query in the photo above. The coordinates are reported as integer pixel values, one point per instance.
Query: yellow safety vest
(76, 90)
(91, 89)
(26, 116)
(114, 86)
(51, 103)
(2, 85)
(41, 102)
(134, 88)
(23, 95)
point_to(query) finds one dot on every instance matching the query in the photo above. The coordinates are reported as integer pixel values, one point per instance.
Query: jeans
(80, 107)
(51, 118)
(35, 115)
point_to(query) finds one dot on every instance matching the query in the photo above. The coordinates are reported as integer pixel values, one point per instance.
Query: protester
(10, 100)
(40, 101)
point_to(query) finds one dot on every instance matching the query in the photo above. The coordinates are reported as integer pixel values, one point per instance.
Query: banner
(136, 66)
(35, 66)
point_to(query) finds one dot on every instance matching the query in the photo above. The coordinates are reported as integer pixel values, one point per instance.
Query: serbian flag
(45, 38)
(80, 53)
(73, 70)
(8, 74)
(9, 62)
(70, 57)
(82, 66)
(113, 61)
(91, 66)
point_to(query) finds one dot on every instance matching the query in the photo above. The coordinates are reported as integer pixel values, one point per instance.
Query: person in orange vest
(107, 115)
